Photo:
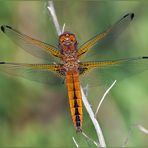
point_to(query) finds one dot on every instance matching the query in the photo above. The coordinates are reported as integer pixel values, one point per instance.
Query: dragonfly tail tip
(78, 129)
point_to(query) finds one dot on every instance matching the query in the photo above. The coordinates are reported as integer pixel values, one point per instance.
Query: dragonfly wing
(118, 27)
(32, 46)
(109, 35)
(105, 72)
(43, 73)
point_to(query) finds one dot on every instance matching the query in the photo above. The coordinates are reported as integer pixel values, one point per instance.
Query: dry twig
(84, 98)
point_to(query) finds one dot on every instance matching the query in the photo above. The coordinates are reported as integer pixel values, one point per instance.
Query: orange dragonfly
(70, 68)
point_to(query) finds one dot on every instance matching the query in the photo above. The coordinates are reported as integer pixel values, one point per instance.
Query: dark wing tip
(4, 26)
(126, 15)
(2, 62)
(144, 57)
(132, 16)
(8, 27)
(129, 14)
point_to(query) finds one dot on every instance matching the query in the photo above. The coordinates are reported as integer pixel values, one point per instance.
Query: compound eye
(62, 38)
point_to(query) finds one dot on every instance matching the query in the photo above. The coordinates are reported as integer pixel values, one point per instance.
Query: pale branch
(85, 101)
(54, 17)
(75, 142)
(63, 28)
(142, 129)
(94, 120)
(107, 91)
(85, 89)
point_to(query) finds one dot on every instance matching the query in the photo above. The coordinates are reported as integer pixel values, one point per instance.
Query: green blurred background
(33, 114)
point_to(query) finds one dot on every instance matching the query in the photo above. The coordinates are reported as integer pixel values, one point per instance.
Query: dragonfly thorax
(70, 61)
(68, 45)
(70, 67)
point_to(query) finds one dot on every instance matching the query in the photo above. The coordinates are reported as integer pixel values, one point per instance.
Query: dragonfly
(70, 68)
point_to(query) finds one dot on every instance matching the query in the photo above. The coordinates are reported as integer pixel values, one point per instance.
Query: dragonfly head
(67, 39)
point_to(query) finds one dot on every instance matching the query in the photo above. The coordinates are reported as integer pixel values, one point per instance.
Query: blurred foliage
(29, 114)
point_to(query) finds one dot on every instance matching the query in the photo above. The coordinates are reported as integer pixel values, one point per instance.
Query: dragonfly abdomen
(75, 99)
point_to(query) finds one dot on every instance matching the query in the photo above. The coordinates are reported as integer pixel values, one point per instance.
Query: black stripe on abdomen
(77, 114)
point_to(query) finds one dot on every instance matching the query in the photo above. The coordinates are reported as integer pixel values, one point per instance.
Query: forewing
(30, 45)
(106, 38)
(43, 73)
